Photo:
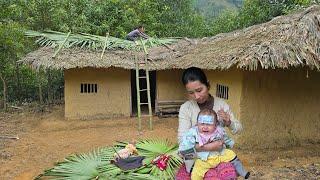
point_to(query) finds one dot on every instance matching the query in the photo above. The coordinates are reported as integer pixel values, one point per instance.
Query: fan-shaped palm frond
(151, 149)
(97, 164)
(93, 42)
(137, 176)
(81, 166)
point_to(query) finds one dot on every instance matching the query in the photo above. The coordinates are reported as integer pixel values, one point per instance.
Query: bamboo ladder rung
(143, 64)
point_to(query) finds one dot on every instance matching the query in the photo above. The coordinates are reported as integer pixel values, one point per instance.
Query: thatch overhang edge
(284, 42)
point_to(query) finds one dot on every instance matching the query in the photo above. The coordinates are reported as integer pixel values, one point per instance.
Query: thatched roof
(285, 41)
(78, 58)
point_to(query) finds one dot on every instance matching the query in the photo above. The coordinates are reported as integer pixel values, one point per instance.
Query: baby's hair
(210, 112)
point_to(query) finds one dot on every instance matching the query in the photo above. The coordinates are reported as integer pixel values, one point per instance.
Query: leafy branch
(94, 42)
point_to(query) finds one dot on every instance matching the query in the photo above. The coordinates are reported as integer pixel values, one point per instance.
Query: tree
(162, 18)
(254, 12)
(12, 48)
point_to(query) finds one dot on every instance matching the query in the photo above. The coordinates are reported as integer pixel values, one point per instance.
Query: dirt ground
(45, 138)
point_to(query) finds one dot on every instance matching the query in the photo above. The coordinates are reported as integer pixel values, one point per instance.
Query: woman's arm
(235, 125)
(184, 121)
(145, 36)
(229, 119)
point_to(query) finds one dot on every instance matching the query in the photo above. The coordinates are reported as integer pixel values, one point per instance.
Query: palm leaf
(81, 166)
(136, 176)
(97, 165)
(93, 42)
(152, 149)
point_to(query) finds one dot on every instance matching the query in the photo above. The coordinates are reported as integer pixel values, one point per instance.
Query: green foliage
(254, 12)
(79, 166)
(12, 42)
(161, 18)
(152, 149)
(54, 39)
(213, 8)
(294, 5)
(13, 45)
(118, 17)
(97, 164)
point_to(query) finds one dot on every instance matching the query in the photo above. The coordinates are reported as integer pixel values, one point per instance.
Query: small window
(88, 88)
(222, 91)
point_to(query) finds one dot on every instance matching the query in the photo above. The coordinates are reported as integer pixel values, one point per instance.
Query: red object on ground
(161, 161)
(224, 171)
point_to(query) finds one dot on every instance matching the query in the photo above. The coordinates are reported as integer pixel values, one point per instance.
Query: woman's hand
(225, 117)
(213, 146)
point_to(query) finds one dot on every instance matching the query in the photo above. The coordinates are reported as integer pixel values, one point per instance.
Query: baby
(208, 130)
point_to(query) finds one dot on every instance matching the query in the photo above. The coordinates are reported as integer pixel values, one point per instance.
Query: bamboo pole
(61, 45)
(148, 84)
(9, 137)
(149, 98)
(105, 45)
(138, 92)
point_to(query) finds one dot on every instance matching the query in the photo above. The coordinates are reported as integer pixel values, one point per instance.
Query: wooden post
(17, 77)
(49, 88)
(4, 92)
(39, 81)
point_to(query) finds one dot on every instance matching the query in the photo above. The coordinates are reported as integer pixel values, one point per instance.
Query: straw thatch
(286, 41)
(78, 58)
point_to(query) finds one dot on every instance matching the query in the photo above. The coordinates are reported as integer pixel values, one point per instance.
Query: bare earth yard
(46, 138)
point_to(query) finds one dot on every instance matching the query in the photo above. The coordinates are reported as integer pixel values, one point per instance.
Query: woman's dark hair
(139, 26)
(194, 74)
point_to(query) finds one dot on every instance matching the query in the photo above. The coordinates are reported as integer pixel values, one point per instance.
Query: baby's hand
(221, 142)
(215, 145)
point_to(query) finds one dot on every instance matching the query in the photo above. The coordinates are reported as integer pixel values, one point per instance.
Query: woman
(197, 86)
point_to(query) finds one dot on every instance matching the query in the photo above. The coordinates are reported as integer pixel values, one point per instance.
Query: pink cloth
(224, 171)
(204, 139)
(216, 135)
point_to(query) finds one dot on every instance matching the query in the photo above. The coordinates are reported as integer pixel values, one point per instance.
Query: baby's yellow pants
(201, 167)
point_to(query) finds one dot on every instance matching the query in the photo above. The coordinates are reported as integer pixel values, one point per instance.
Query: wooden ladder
(147, 79)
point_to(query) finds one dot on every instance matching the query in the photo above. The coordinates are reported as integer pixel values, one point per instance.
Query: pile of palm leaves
(97, 164)
(54, 39)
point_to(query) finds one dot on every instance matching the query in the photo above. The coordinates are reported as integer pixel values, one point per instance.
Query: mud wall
(280, 108)
(111, 100)
(169, 85)
(233, 80)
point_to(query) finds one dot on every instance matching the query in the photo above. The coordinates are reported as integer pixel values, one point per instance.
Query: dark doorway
(143, 94)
